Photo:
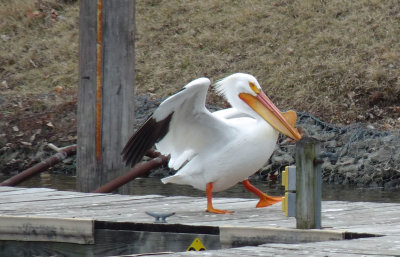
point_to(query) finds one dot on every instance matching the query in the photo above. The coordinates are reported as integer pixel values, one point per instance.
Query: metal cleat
(160, 217)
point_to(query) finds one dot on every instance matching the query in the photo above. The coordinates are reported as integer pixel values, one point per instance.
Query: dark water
(145, 186)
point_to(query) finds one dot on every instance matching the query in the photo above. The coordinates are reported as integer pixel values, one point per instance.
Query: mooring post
(106, 90)
(308, 184)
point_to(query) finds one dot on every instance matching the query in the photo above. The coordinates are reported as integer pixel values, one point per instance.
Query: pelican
(214, 151)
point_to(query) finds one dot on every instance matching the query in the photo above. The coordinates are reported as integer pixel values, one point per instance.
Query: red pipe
(40, 167)
(137, 170)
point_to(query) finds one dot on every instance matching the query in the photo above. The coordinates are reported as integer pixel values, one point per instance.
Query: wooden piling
(106, 90)
(308, 184)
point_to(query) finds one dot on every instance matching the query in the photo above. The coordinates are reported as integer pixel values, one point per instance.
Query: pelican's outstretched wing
(180, 127)
(143, 139)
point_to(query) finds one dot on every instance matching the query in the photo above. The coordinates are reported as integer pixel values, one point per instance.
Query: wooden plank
(182, 205)
(61, 203)
(106, 90)
(51, 196)
(26, 191)
(187, 206)
(378, 246)
(25, 228)
(118, 84)
(86, 129)
(231, 236)
(9, 189)
(127, 210)
(95, 206)
(352, 248)
(36, 197)
(247, 223)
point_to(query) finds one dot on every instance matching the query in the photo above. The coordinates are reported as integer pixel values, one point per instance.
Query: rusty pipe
(137, 170)
(40, 167)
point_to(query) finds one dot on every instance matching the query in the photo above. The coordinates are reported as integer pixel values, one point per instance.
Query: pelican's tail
(176, 179)
(169, 179)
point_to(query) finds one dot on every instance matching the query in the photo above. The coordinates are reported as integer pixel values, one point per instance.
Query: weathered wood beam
(308, 184)
(48, 229)
(106, 90)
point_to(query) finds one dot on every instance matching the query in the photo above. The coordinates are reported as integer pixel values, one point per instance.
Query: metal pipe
(137, 170)
(40, 167)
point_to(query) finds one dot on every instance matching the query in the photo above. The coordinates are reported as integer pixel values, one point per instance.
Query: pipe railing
(40, 167)
(136, 171)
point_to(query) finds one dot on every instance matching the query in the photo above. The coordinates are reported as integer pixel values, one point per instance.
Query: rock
(266, 169)
(368, 168)
(365, 180)
(396, 157)
(392, 184)
(325, 136)
(3, 139)
(330, 144)
(338, 180)
(328, 167)
(382, 155)
(346, 161)
(373, 184)
(291, 149)
(284, 159)
(360, 144)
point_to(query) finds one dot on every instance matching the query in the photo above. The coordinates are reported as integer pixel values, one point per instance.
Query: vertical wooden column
(106, 89)
(308, 184)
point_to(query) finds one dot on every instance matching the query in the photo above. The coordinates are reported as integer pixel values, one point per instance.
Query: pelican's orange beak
(283, 122)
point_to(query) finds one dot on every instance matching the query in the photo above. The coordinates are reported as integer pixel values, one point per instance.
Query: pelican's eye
(254, 88)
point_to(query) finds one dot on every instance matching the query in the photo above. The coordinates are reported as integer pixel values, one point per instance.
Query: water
(145, 186)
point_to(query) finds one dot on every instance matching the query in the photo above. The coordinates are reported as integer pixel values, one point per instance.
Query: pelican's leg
(265, 200)
(210, 207)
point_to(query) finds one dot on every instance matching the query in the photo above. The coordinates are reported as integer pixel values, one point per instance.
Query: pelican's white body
(227, 163)
(224, 147)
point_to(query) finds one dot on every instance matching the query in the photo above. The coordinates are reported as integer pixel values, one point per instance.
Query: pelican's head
(244, 92)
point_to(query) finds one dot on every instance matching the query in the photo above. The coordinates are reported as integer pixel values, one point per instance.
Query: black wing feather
(144, 138)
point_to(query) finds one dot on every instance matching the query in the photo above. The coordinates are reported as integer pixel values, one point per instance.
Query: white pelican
(214, 151)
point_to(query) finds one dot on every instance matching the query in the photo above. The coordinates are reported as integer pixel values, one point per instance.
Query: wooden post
(308, 184)
(106, 89)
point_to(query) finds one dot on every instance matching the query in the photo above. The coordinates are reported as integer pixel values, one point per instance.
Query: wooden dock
(81, 219)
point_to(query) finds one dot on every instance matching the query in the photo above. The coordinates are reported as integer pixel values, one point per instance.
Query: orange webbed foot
(217, 211)
(210, 207)
(268, 200)
(265, 200)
